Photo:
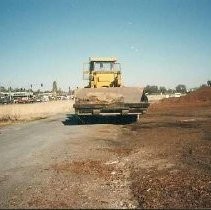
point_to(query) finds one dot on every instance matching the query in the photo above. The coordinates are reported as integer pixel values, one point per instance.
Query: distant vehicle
(31, 100)
(177, 94)
(38, 100)
(45, 98)
(23, 97)
(6, 100)
(23, 100)
(15, 101)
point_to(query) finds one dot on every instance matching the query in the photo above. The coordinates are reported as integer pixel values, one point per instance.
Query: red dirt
(178, 134)
(88, 167)
(199, 96)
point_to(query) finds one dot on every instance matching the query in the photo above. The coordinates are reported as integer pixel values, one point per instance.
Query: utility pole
(41, 85)
(10, 94)
(36, 84)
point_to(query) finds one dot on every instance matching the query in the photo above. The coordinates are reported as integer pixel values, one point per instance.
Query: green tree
(3, 89)
(170, 91)
(181, 88)
(162, 89)
(151, 89)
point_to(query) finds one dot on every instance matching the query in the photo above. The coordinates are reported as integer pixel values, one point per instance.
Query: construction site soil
(162, 161)
(175, 170)
(166, 157)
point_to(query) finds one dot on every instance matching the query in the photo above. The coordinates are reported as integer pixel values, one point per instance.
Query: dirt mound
(200, 95)
(106, 98)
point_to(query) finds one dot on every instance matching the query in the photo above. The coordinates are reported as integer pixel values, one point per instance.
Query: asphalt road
(29, 151)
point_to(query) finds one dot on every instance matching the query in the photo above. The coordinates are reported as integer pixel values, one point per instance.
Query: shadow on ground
(81, 120)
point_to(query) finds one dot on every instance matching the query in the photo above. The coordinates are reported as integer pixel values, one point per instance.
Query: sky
(157, 42)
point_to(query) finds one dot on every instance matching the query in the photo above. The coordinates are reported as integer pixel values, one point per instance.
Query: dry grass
(19, 112)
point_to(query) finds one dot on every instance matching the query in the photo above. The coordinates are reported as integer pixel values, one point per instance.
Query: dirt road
(164, 161)
(56, 163)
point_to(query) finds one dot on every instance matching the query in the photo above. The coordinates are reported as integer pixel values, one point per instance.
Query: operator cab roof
(102, 59)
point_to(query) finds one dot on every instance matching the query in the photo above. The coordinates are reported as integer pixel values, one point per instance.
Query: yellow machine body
(103, 72)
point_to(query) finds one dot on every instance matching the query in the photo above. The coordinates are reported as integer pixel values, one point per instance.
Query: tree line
(150, 89)
(55, 89)
(154, 89)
